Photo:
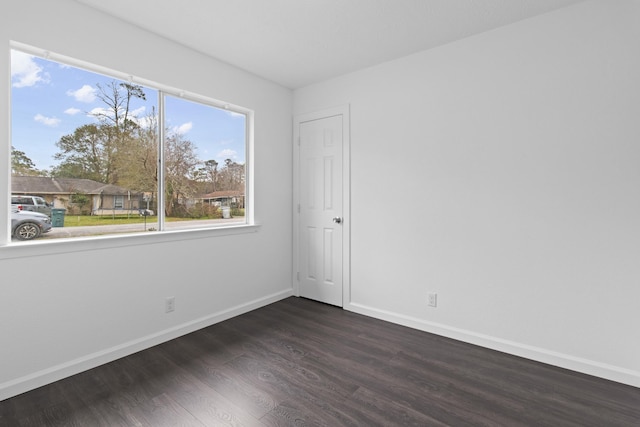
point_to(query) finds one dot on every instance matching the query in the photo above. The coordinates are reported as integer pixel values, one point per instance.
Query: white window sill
(81, 244)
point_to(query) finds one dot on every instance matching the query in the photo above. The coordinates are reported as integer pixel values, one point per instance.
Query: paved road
(97, 230)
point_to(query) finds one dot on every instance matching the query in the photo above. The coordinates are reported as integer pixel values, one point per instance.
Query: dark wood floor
(298, 362)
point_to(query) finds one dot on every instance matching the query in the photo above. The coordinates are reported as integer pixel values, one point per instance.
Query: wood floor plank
(295, 413)
(378, 376)
(298, 362)
(204, 403)
(391, 412)
(255, 400)
(56, 415)
(451, 396)
(163, 411)
(26, 404)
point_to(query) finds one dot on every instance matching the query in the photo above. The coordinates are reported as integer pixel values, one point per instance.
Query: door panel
(320, 202)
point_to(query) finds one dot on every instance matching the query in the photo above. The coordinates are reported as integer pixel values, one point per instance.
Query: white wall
(68, 311)
(502, 172)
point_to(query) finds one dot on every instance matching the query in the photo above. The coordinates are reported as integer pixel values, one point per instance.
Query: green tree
(83, 154)
(22, 165)
(80, 203)
(102, 151)
(122, 149)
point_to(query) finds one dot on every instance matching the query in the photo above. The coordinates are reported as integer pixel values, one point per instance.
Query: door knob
(337, 220)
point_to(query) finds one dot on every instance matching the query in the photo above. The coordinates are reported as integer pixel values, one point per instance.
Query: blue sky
(50, 100)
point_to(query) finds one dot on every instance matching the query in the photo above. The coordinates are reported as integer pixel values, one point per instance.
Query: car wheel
(27, 231)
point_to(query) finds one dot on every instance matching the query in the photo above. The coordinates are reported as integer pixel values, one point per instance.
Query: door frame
(343, 111)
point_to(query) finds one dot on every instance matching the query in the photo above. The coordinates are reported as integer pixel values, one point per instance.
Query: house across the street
(224, 198)
(79, 196)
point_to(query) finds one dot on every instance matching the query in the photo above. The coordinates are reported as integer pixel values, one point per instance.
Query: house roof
(46, 185)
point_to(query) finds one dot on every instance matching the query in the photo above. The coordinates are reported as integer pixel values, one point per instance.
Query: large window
(112, 155)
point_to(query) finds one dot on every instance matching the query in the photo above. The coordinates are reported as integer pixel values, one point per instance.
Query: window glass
(204, 158)
(89, 145)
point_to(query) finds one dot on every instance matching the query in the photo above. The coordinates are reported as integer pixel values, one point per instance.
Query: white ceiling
(299, 42)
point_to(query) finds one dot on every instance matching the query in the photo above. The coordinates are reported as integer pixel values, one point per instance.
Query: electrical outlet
(432, 299)
(169, 304)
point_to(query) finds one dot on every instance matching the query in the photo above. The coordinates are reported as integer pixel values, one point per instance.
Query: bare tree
(211, 170)
(180, 162)
(118, 123)
(117, 98)
(231, 176)
(139, 166)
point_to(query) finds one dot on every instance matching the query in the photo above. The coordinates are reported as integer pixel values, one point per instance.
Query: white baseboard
(46, 376)
(585, 366)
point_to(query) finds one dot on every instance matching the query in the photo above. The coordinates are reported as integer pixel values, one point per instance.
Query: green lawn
(81, 220)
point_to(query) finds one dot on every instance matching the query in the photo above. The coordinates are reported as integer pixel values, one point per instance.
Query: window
(113, 155)
(118, 202)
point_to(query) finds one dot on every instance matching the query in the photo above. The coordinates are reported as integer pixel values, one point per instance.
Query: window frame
(8, 249)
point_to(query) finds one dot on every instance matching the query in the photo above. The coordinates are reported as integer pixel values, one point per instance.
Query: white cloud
(100, 111)
(184, 128)
(47, 121)
(136, 116)
(138, 111)
(147, 121)
(228, 154)
(72, 111)
(25, 71)
(85, 94)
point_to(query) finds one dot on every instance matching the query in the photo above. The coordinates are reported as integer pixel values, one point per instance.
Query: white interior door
(321, 225)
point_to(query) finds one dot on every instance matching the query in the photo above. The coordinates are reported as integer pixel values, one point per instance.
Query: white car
(31, 203)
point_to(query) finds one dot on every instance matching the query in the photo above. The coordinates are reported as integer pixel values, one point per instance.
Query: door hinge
(298, 207)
